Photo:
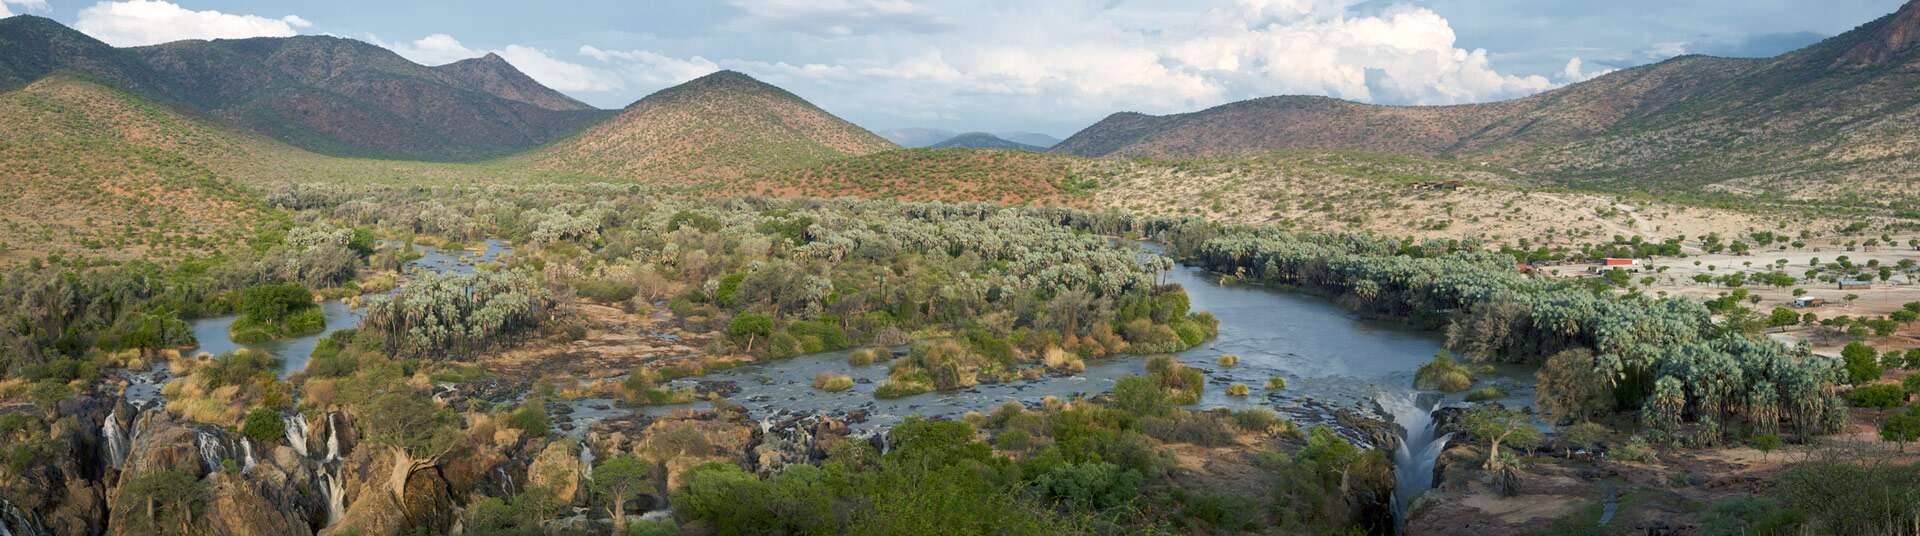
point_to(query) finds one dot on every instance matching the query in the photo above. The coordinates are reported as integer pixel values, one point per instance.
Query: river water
(214, 338)
(1329, 358)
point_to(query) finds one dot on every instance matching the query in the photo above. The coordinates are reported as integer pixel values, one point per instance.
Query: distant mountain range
(930, 137)
(982, 140)
(325, 94)
(1832, 120)
(722, 125)
(1844, 109)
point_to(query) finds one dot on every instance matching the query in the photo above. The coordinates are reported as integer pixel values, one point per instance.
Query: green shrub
(1491, 392)
(1879, 395)
(832, 383)
(1443, 374)
(531, 418)
(605, 290)
(264, 426)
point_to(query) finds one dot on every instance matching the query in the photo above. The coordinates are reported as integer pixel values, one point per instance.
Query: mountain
(1841, 110)
(928, 137)
(326, 94)
(1035, 139)
(96, 171)
(917, 137)
(720, 126)
(982, 140)
(491, 74)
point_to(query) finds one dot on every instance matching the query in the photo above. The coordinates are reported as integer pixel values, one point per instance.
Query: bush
(531, 418)
(1276, 383)
(1229, 360)
(1259, 421)
(276, 311)
(264, 426)
(1491, 392)
(832, 383)
(1204, 429)
(1862, 364)
(866, 356)
(605, 290)
(1238, 390)
(1879, 395)
(1443, 374)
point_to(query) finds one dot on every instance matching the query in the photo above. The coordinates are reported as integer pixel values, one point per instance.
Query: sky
(1049, 66)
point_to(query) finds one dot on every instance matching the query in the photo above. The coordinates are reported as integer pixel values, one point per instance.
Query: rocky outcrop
(559, 469)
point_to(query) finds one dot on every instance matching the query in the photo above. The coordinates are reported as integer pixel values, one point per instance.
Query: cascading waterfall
(117, 445)
(14, 522)
(333, 438)
(586, 459)
(212, 450)
(1419, 450)
(335, 492)
(246, 454)
(297, 433)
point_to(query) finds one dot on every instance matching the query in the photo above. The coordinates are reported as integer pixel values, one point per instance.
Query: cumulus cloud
(557, 73)
(647, 70)
(435, 49)
(29, 5)
(148, 22)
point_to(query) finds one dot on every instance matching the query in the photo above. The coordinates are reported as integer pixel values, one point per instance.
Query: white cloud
(29, 5)
(148, 22)
(1576, 72)
(646, 70)
(556, 73)
(436, 49)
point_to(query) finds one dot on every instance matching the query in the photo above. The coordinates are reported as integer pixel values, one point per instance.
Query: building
(1804, 302)
(1620, 263)
(1855, 284)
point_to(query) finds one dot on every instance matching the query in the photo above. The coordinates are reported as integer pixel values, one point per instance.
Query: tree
(618, 479)
(169, 501)
(1498, 425)
(750, 325)
(1903, 427)
(1862, 363)
(264, 425)
(1571, 387)
(1585, 435)
(1766, 443)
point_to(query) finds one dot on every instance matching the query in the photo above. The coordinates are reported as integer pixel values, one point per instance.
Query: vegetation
(277, 311)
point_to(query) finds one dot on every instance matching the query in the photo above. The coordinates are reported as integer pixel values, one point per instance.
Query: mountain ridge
(1791, 125)
(327, 94)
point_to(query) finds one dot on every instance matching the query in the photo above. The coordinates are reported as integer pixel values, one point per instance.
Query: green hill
(718, 127)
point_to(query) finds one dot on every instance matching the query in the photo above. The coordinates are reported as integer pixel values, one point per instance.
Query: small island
(276, 311)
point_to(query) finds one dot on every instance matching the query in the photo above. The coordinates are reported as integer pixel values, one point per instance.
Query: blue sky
(1050, 66)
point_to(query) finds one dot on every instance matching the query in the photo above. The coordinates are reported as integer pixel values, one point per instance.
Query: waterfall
(506, 479)
(297, 433)
(212, 450)
(246, 454)
(1419, 450)
(117, 444)
(14, 522)
(586, 459)
(333, 438)
(336, 494)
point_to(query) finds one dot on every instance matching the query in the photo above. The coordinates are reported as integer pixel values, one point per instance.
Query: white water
(14, 522)
(333, 438)
(246, 454)
(297, 433)
(336, 493)
(586, 460)
(212, 451)
(1419, 450)
(117, 444)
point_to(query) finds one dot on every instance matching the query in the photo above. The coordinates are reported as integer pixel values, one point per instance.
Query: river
(214, 337)
(1329, 358)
